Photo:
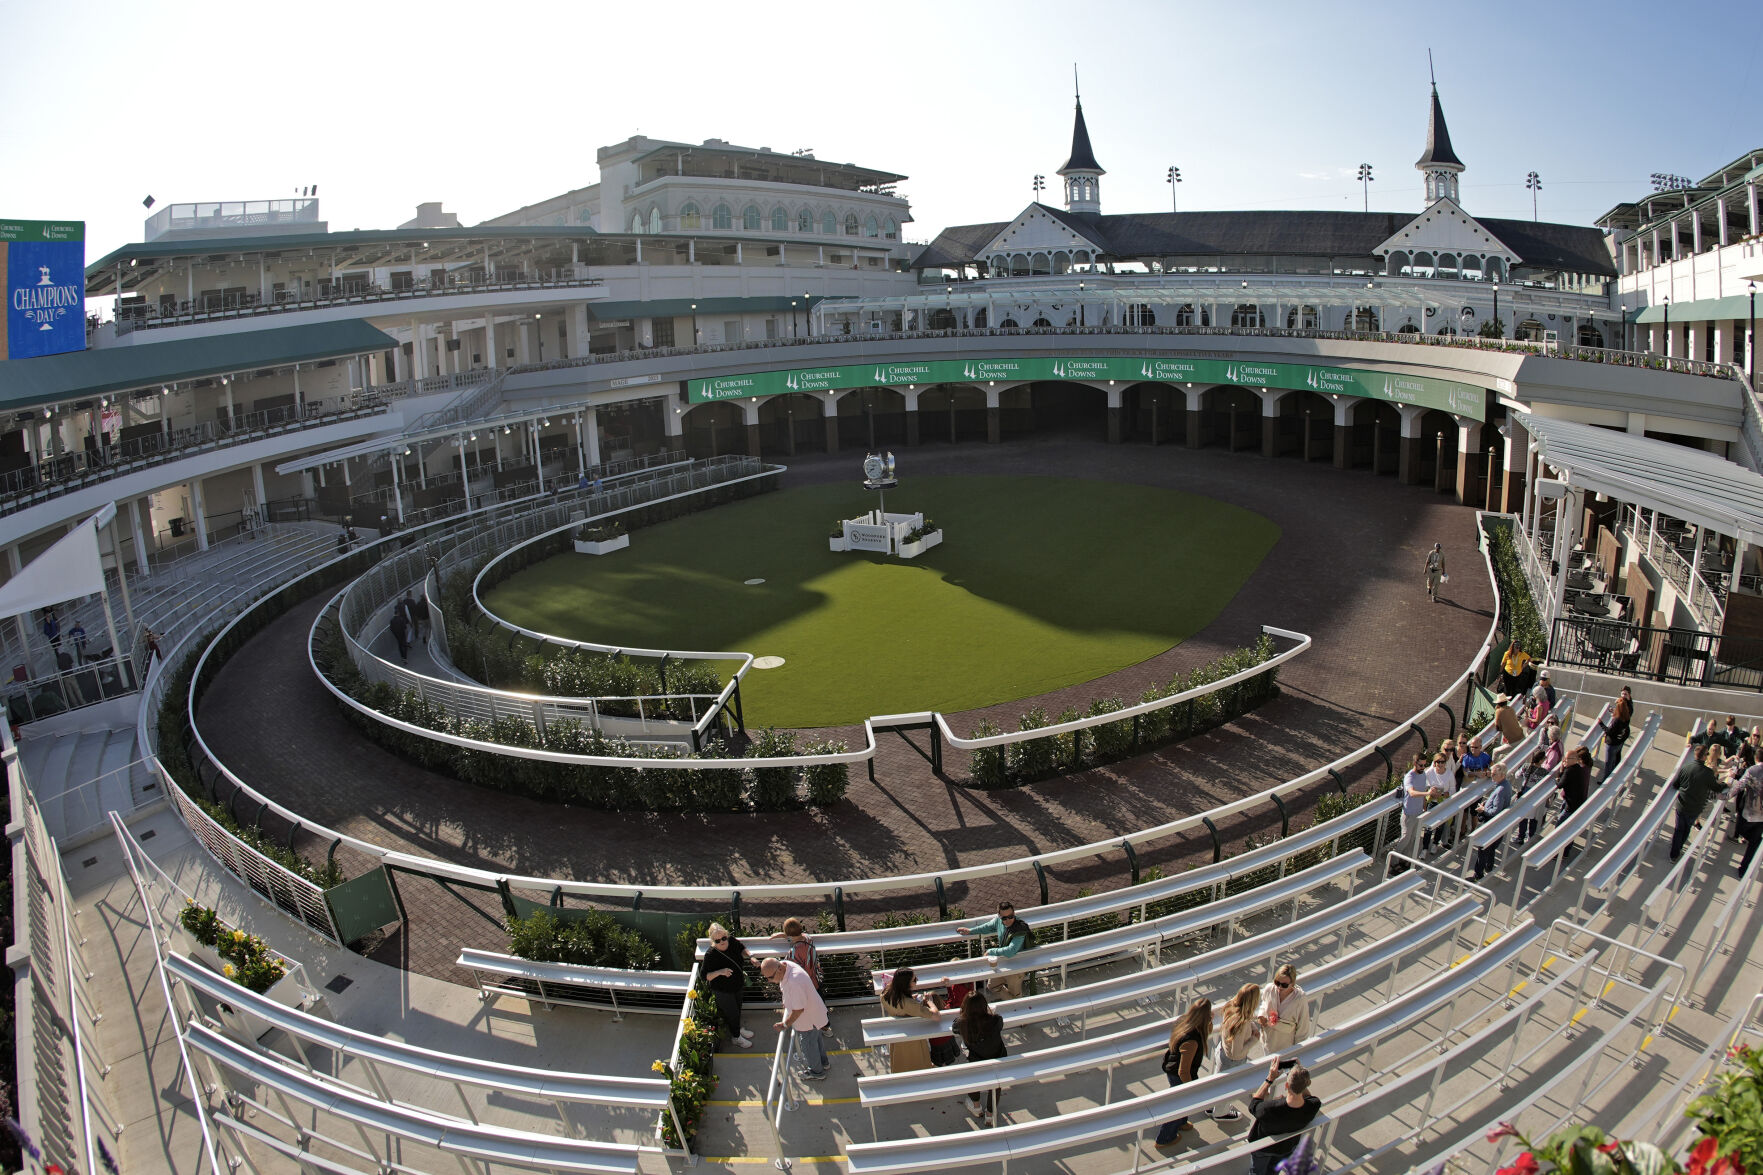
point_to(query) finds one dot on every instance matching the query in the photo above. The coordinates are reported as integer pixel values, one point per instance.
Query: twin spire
(1083, 188)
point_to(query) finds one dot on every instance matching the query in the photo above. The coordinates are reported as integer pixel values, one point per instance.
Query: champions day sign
(1459, 399)
(45, 266)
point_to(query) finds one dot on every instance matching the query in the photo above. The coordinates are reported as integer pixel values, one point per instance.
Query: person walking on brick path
(804, 1013)
(1696, 782)
(1435, 571)
(723, 970)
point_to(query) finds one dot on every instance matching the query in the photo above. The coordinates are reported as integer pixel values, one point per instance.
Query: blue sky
(489, 107)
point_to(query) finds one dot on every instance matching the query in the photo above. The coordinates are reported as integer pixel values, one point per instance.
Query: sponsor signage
(865, 536)
(45, 266)
(1459, 399)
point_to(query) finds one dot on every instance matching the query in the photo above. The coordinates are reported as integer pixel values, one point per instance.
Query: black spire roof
(1438, 139)
(1082, 157)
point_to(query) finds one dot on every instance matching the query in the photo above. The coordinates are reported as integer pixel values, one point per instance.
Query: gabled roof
(29, 383)
(1571, 248)
(1082, 157)
(1438, 139)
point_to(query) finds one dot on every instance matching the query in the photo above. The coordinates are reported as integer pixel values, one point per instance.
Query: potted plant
(601, 538)
(836, 536)
(920, 539)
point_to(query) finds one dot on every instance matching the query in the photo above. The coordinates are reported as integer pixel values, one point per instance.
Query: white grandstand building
(702, 309)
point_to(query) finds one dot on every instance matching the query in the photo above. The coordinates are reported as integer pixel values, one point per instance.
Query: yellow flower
(658, 1067)
(693, 994)
(228, 971)
(238, 936)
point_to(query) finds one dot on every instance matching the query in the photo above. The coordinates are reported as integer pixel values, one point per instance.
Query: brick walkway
(1346, 569)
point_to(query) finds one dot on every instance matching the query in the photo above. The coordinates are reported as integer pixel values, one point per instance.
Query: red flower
(1704, 1151)
(1525, 1165)
(1503, 1130)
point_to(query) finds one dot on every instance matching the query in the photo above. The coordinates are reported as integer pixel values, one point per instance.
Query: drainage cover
(753, 582)
(767, 662)
(339, 984)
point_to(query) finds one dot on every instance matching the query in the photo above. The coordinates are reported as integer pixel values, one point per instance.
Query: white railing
(1708, 605)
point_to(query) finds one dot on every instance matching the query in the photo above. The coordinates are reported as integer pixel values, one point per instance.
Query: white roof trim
(1685, 483)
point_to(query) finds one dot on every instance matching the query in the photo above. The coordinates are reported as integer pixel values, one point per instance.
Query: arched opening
(1470, 266)
(1140, 314)
(1447, 265)
(1041, 264)
(1301, 318)
(1061, 263)
(1396, 264)
(1018, 265)
(750, 218)
(1422, 265)
(1008, 324)
(1446, 330)
(1436, 458)
(891, 229)
(1590, 336)
(942, 319)
(1306, 427)
(792, 423)
(952, 413)
(780, 220)
(872, 418)
(829, 224)
(979, 319)
(1054, 406)
(870, 227)
(722, 217)
(1188, 316)
(1041, 324)
(1493, 270)
(1530, 329)
(850, 224)
(1364, 318)
(690, 217)
(1376, 437)
(654, 220)
(636, 222)
(1232, 418)
(804, 221)
(1247, 314)
(712, 430)
(1407, 328)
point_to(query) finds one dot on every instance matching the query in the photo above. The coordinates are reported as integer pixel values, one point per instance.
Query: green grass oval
(1040, 583)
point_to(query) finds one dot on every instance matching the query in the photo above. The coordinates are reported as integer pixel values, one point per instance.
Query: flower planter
(284, 991)
(583, 547)
(915, 548)
(837, 543)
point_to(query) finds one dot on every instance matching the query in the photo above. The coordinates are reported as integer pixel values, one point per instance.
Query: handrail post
(942, 900)
(1041, 877)
(1285, 819)
(1453, 734)
(1338, 781)
(1424, 741)
(839, 907)
(1217, 845)
(1132, 860)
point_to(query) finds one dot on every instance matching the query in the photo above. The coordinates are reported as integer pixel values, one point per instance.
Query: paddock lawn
(1040, 583)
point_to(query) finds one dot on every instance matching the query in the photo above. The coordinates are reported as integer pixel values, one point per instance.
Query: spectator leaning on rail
(1696, 782)
(1013, 934)
(1506, 720)
(804, 955)
(1516, 671)
(1286, 1115)
(804, 1013)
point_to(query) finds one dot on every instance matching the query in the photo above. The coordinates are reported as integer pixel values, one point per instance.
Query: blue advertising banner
(45, 264)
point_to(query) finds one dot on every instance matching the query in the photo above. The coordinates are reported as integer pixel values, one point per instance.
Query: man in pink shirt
(804, 1012)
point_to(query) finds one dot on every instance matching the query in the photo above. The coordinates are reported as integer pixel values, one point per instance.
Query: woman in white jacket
(1285, 1012)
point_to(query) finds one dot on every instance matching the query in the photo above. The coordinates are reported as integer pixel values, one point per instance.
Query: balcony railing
(1468, 342)
(1678, 656)
(55, 476)
(1704, 588)
(143, 316)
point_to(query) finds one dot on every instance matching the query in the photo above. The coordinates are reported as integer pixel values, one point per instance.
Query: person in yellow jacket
(1513, 667)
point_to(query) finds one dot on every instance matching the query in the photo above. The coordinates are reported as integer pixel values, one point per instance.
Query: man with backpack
(1014, 935)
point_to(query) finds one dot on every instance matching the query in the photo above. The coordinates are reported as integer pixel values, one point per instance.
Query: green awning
(1736, 307)
(707, 307)
(51, 379)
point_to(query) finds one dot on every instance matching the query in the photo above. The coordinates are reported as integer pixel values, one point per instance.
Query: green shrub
(774, 788)
(720, 789)
(587, 938)
(923, 956)
(1518, 612)
(1071, 746)
(1034, 758)
(986, 765)
(1113, 740)
(827, 782)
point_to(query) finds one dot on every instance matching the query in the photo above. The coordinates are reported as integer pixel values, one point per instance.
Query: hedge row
(1521, 618)
(1016, 763)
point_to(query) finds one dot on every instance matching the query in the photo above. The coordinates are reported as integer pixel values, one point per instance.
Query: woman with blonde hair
(1238, 1030)
(1287, 1018)
(1183, 1058)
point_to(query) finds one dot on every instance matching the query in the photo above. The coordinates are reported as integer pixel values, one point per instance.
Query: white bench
(1607, 874)
(1553, 845)
(569, 983)
(1111, 1121)
(467, 1141)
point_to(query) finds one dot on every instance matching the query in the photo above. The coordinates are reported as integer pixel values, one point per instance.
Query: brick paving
(1346, 569)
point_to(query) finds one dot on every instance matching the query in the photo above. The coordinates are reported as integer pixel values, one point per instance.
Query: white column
(464, 474)
(257, 488)
(492, 353)
(523, 344)
(419, 356)
(397, 489)
(232, 416)
(201, 512)
(591, 433)
(140, 541)
(299, 400)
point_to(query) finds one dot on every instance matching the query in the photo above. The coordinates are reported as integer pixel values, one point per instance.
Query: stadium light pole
(1173, 178)
(1535, 184)
(1040, 186)
(1365, 178)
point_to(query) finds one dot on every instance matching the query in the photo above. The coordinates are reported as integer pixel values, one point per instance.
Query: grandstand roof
(51, 379)
(1684, 483)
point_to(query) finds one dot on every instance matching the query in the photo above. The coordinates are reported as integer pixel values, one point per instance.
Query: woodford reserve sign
(1459, 399)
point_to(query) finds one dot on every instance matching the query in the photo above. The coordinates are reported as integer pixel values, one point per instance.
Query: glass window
(780, 220)
(805, 221)
(750, 218)
(690, 217)
(654, 220)
(850, 224)
(721, 217)
(890, 229)
(828, 225)
(870, 227)
(636, 222)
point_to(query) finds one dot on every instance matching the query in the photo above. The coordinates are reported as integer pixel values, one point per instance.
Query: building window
(654, 220)
(1247, 315)
(890, 229)
(1187, 316)
(850, 224)
(828, 225)
(780, 221)
(870, 227)
(661, 330)
(636, 222)
(690, 217)
(722, 218)
(804, 221)
(750, 219)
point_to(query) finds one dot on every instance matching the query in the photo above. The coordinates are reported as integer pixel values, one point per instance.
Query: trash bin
(177, 527)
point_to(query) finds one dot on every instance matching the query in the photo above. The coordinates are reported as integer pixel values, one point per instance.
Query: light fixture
(474, 436)
(506, 430)
(407, 450)
(165, 391)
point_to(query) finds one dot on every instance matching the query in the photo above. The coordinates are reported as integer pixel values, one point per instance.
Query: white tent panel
(66, 571)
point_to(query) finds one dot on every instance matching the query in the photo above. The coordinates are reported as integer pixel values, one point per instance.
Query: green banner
(42, 230)
(1459, 399)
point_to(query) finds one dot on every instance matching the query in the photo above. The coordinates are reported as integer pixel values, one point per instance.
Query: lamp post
(1490, 480)
(1499, 328)
(793, 333)
(1172, 179)
(1365, 178)
(949, 305)
(1667, 303)
(1535, 184)
(807, 315)
(1080, 305)
(1751, 338)
(1624, 309)
(539, 335)
(694, 324)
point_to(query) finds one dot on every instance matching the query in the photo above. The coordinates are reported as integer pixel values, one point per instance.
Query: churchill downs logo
(1249, 373)
(1323, 379)
(45, 303)
(1165, 369)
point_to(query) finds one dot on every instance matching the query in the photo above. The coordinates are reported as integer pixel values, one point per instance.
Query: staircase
(79, 776)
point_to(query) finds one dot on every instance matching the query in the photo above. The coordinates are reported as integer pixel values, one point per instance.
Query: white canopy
(66, 571)
(1680, 482)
